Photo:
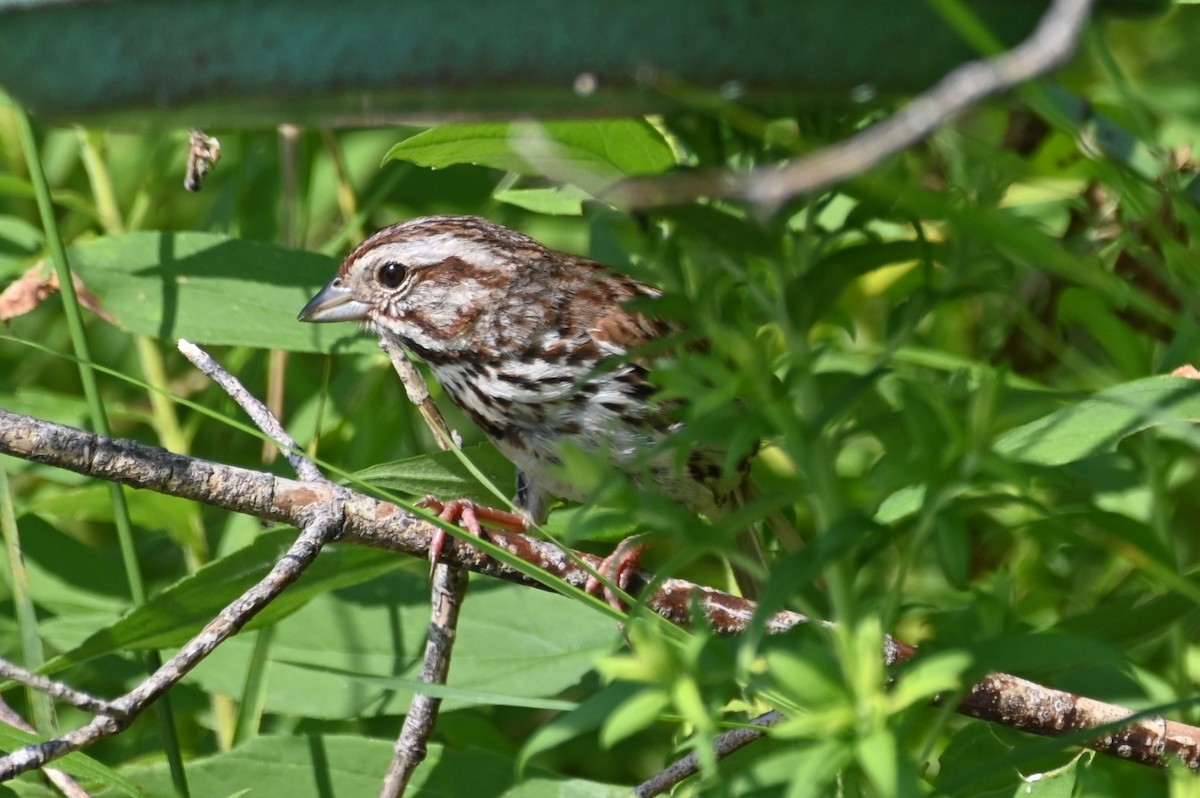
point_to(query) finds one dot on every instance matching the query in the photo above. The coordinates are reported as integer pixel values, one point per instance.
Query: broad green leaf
(961, 774)
(77, 764)
(1099, 422)
(841, 267)
(557, 201)
(604, 149)
(13, 186)
(148, 510)
(177, 613)
(212, 290)
(344, 765)
(512, 641)
(299, 766)
(458, 696)
(442, 474)
(1043, 652)
(1124, 624)
(50, 405)
(1057, 783)
(68, 578)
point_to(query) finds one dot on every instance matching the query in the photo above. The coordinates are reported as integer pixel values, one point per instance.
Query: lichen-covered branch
(999, 698)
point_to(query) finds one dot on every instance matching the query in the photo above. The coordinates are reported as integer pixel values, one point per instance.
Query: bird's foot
(616, 568)
(468, 515)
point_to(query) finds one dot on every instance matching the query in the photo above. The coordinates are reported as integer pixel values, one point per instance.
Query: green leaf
(878, 755)
(1101, 421)
(789, 770)
(1087, 428)
(345, 765)
(457, 695)
(49, 405)
(68, 577)
(77, 764)
(588, 716)
(900, 504)
(357, 652)
(212, 290)
(297, 767)
(18, 236)
(634, 714)
(606, 149)
(13, 186)
(928, 676)
(557, 201)
(148, 510)
(1057, 783)
(443, 474)
(177, 613)
(961, 774)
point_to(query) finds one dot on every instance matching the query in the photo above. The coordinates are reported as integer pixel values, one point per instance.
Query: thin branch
(262, 417)
(56, 690)
(418, 394)
(1051, 44)
(449, 593)
(723, 746)
(449, 589)
(65, 784)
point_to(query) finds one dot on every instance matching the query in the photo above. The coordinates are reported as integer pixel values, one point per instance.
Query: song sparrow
(538, 347)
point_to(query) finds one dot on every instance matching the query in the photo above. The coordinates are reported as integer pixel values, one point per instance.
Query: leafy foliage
(954, 363)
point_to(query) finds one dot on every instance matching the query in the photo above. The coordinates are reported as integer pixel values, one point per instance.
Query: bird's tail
(749, 542)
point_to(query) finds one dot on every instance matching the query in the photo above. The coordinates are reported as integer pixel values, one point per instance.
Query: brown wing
(615, 326)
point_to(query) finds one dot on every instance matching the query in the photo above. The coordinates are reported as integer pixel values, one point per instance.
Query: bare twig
(723, 746)
(263, 418)
(449, 588)
(56, 690)
(322, 524)
(418, 394)
(998, 698)
(449, 592)
(65, 784)
(1051, 44)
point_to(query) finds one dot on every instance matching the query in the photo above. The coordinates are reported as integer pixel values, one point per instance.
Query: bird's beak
(335, 303)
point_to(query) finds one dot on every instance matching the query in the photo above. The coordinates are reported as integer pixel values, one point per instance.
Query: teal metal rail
(245, 63)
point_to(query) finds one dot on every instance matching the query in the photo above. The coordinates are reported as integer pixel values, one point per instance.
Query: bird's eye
(391, 274)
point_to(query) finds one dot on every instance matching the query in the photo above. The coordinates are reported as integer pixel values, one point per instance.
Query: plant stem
(91, 391)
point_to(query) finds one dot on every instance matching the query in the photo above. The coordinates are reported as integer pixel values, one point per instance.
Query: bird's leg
(468, 515)
(533, 501)
(617, 568)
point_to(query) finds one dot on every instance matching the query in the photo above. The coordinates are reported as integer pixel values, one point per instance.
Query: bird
(541, 349)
